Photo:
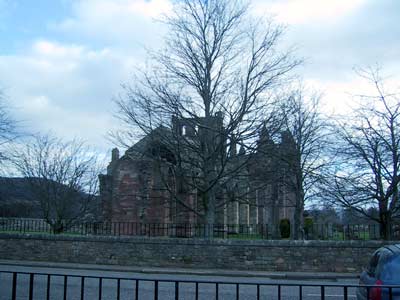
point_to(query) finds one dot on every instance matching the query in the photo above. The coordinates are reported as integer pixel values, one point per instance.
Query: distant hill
(17, 200)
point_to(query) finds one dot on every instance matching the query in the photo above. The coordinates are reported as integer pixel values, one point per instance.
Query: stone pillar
(106, 196)
(233, 212)
(261, 215)
(253, 211)
(114, 154)
(114, 161)
(244, 218)
(253, 218)
(262, 227)
(225, 220)
(233, 217)
(221, 215)
(244, 214)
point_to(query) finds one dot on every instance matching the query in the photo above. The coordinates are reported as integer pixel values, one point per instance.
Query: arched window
(160, 151)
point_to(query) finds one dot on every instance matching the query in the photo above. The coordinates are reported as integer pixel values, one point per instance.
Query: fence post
(31, 286)
(82, 287)
(14, 287)
(48, 287)
(156, 290)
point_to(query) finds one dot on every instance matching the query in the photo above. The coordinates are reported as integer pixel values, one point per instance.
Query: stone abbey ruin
(144, 186)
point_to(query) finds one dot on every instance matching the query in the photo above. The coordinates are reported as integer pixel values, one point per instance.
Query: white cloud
(68, 86)
(154, 8)
(38, 104)
(117, 21)
(342, 96)
(307, 11)
(65, 88)
(104, 9)
(51, 49)
(338, 96)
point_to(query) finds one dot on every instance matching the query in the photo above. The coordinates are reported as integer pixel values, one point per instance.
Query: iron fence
(189, 230)
(31, 286)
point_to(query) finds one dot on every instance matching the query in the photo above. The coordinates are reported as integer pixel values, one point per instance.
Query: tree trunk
(385, 227)
(57, 226)
(210, 165)
(297, 228)
(210, 215)
(384, 220)
(275, 214)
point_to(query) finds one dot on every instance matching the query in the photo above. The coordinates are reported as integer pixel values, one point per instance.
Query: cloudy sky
(62, 61)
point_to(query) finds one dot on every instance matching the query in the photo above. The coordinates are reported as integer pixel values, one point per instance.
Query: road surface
(289, 289)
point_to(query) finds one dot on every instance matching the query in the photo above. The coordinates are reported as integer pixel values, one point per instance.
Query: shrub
(284, 227)
(308, 225)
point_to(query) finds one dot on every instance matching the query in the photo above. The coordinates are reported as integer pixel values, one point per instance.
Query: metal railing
(31, 286)
(190, 230)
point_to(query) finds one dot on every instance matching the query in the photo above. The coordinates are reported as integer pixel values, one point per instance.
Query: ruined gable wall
(134, 191)
(134, 198)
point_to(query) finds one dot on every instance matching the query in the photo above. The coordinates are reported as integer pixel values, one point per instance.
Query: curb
(182, 271)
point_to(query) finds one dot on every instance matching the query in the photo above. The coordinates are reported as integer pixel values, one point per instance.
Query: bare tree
(307, 131)
(215, 80)
(368, 173)
(8, 127)
(62, 177)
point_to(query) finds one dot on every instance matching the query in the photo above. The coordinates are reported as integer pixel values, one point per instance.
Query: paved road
(166, 286)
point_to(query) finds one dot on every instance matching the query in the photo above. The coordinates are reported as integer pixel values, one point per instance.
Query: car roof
(395, 249)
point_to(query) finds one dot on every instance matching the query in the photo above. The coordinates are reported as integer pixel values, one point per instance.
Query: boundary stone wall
(264, 255)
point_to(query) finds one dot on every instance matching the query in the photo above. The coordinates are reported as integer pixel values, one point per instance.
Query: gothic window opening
(162, 152)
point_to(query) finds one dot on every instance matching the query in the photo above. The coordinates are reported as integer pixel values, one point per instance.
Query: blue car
(382, 275)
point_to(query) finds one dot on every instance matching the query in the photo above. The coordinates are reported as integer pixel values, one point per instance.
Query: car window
(391, 270)
(373, 263)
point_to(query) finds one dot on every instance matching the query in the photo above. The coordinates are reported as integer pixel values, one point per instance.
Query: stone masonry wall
(318, 256)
